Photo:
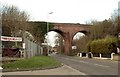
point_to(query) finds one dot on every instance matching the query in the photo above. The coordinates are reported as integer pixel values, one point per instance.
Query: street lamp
(48, 20)
(48, 30)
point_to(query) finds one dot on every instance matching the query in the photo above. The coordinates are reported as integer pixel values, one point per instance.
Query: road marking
(88, 63)
(101, 65)
(84, 62)
(75, 70)
(77, 61)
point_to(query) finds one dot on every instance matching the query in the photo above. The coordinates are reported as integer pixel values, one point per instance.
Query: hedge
(106, 45)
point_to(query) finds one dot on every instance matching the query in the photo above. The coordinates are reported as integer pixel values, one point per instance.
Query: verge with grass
(37, 62)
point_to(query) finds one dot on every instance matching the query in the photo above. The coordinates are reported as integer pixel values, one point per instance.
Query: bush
(106, 45)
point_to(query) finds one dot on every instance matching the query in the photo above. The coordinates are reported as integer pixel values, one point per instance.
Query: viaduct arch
(68, 30)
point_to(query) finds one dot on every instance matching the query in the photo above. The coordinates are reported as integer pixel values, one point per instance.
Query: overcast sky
(66, 11)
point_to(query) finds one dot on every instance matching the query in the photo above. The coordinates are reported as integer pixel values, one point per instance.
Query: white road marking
(81, 73)
(101, 65)
(84, 62)
(87, 63)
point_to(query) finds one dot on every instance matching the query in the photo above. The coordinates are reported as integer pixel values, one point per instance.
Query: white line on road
(88, 63)
(101, 65)
(77, 61)
(84, 62)
(81, 73)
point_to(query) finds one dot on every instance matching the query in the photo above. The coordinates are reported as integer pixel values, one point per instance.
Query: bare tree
(81, 44)
(14, 19)
(115, 18)
(59, 42)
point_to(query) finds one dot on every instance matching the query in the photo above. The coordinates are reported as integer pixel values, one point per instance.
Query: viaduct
(68, 30)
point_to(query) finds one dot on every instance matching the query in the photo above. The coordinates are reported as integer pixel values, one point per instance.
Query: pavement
(63, 70)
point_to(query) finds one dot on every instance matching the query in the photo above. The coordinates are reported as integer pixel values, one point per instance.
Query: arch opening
(55, 41)
(79, 42)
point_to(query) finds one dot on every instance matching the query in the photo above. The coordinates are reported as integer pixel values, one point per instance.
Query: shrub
(106, 45)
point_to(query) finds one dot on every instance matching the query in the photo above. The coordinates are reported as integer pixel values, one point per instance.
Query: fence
(32, 49)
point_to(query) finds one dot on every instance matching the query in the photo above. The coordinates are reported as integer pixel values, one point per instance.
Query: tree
(39, 29)
(115, 18)
(14, 22)
(14, 19)
(108, 27)
(105, 45)
(81, 44)
(102, 29)
(59, 42)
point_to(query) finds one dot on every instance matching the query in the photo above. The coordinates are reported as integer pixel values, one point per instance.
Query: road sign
(44, 44)
(74, 47)
(14, 39)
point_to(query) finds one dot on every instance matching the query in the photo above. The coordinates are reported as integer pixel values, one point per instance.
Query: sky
(66, 11)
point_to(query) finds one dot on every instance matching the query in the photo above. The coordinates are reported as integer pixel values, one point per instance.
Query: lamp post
(48, 20)
(48, 30)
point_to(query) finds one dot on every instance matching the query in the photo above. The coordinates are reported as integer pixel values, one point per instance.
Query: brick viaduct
(68, 30)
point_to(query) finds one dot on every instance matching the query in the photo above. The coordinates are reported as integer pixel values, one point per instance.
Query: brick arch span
(59, 31)
(68, 30)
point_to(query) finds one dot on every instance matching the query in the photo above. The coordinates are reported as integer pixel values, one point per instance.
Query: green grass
(38, 62)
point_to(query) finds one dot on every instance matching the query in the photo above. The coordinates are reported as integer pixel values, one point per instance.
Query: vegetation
(39, 29)
(59, 43)
(102, 29)
(16, 22)
(38, 62)
(81, 44)
(106, 45)
(102, 36)
(14, 19)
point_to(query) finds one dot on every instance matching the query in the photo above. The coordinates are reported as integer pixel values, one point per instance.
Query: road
(90, 66)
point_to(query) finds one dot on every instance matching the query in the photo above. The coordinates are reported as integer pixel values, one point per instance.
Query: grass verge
(38, 62)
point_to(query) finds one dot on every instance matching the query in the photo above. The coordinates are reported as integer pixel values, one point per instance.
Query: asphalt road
(90, 66)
